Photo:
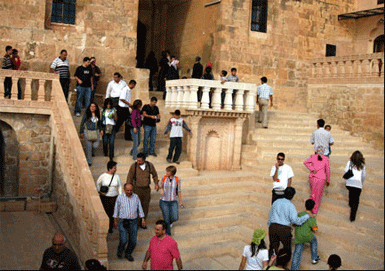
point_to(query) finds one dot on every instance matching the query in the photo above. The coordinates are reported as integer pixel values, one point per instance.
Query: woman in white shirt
(109, 117)
(354, 184)
(112, 181)
(255, 256)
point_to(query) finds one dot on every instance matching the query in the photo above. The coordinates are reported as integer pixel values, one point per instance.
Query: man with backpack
(139, 176)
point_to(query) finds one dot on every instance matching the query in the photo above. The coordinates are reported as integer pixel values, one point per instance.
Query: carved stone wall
(216, 139)
(27, 145)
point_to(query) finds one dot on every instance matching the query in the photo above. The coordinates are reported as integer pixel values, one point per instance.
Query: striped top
(169, 188)
(264, 91)
(7, 63)
(128, 207)
(62, 66)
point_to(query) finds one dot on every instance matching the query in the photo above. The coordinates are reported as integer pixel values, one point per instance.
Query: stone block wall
(31, 135)
(358, 108)
(104, 29)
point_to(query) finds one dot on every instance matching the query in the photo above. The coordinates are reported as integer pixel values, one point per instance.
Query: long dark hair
(357, 160)
(254, 249)
(137, 104)
(108, 101)
(88, 111)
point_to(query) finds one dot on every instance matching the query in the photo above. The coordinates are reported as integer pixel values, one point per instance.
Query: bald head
(58, 243)
(128, 189)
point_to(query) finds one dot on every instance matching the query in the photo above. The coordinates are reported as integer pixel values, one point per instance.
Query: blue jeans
(90, 145)
(149, 132)
(296, 263)
(136, 141)
(170, 212)
(127, 235)
(82, 92)
(108, 143)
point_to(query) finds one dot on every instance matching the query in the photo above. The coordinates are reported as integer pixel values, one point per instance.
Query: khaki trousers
(263, 106)
(144, 194)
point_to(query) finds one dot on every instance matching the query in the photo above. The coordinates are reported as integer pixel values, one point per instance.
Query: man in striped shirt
(7, 65)
(264, 94)
(61, 66)
(126, 211)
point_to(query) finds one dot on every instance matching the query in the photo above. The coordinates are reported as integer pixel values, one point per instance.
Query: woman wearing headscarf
(318, 164)
(255, 256)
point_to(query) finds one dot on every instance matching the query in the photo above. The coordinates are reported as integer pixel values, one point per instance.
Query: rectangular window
(259, 16)
(331, 50)
(63, 11)
(380, 2)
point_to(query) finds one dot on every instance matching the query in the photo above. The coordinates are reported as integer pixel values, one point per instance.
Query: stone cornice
(217, 114)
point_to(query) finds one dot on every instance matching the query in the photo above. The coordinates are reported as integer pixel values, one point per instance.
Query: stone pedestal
(216, 139)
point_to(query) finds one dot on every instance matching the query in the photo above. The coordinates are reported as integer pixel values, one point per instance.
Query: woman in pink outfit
(318, 164)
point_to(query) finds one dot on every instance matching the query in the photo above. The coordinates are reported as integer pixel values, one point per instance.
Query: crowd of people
(127, 207)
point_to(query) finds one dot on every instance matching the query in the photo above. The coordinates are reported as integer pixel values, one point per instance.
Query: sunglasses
(281, 159)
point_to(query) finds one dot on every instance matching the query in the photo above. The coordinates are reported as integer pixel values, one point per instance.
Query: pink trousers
(317, 189)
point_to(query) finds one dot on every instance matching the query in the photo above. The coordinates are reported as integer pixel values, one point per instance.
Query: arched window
(259, 16)
(378, 45)
(63, 11)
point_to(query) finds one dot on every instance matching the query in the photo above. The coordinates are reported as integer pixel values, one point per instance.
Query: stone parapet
(209, 95)
(79, 206)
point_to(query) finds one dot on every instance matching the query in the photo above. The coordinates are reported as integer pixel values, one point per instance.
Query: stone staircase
(222, 208)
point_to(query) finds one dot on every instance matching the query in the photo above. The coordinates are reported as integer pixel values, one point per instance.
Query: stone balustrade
(79, 203)
(207, 94)
(352, 66)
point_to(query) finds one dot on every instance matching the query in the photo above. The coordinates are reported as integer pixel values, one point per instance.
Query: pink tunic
(163, 252)
(317, 180)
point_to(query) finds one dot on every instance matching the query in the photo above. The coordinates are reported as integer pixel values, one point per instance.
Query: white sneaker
(170, 225)
(77, 114)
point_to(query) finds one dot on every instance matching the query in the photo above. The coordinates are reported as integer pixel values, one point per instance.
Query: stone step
(298, 137)
(303, 131)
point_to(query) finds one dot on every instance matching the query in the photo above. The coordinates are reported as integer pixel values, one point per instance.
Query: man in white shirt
(114, 88)
(124, 103)
(264, 94)
(282, 175)
(322, 137)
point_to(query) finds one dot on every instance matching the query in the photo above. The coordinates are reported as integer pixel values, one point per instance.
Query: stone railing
(195, 94)
(353, 66)
(42, 94)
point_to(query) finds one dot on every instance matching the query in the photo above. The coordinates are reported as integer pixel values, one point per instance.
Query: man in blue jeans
(126, 211)
(151, 117)
(84, 79)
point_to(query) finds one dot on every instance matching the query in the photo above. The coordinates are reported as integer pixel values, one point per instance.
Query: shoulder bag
(103, 188)
(348, 174)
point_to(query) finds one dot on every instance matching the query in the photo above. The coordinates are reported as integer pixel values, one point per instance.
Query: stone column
(216, 99)
(250, 101)
(237, 139)
(14, 88)
(193, 140)
(168, 95)
(174, 96)
(205, 98)
(179, 98)
(239, 100)
(193, 97)
(228, 100)
(186, 97)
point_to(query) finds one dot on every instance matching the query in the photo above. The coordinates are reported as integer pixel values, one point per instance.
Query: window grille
(63, 11)
(259, 16)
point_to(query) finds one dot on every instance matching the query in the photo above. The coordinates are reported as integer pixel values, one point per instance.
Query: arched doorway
(378, 44)
(9, 158)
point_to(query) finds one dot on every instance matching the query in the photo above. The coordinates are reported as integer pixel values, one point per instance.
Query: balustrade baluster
(216, 99)
(314, 70)
(14, 88)
(186, 97)
(205, 98)
(41, 91)
(174, 96)
(168, 95)
(250, 101)
(228, 99)
(349, 68)
(179, 99)
(28, 89)
(365, 67)
(334, 72)
(193, 97)
(341, 69)
(1, 88)
(239, 100)
(319, 70)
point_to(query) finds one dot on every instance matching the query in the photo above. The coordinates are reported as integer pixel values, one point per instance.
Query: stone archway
(9, 152)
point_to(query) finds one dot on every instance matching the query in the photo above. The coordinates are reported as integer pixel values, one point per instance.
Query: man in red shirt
(162, 250)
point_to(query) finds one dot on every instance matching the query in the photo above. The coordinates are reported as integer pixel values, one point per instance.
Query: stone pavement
(23, 238)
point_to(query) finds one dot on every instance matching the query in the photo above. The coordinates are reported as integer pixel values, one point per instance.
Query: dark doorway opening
(141, 45)
(378, 45)
(1, 164)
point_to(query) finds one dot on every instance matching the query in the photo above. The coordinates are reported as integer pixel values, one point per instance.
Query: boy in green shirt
(305, 234)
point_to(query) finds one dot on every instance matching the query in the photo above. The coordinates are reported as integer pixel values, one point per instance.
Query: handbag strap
(111, 179)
